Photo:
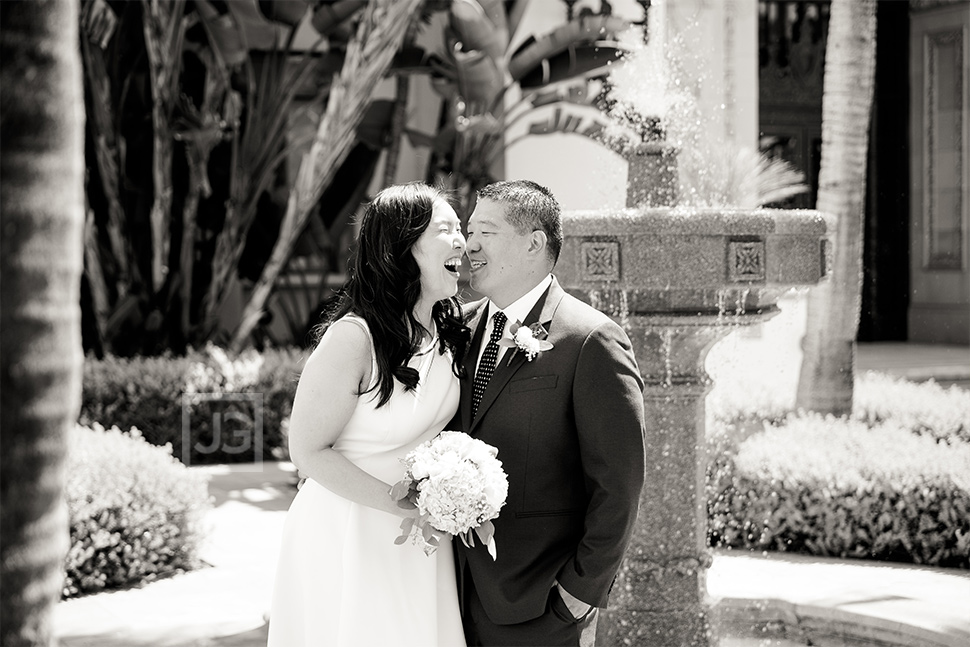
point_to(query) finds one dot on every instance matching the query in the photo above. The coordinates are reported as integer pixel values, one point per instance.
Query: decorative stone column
(651, 175)
(678, 281)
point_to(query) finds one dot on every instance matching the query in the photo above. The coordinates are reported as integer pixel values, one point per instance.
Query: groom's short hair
(529, 207)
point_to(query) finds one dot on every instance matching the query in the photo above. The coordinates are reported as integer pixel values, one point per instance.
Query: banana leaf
(98, 21)
(329, 16)
(586, 29)
(479, 80)
(224, 36)
(374, 127)
(288, 12)
(481, 26)
(514, 9)
(242, 29)
(577, 60)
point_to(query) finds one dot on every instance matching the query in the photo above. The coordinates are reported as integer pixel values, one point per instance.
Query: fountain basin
(691, 261)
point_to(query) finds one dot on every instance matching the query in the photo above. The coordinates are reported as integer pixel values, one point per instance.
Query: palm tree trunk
(379, 35)
(826, 380)
(41, 219)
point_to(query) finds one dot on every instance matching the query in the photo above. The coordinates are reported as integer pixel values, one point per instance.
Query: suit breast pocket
(533, 383)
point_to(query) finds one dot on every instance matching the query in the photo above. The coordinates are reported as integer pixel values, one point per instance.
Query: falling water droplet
(742, 298)
(666, 347)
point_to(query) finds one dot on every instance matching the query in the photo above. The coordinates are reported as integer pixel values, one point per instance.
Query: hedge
(836, 487)
(135, 512)
(924, 408)
(174, 399)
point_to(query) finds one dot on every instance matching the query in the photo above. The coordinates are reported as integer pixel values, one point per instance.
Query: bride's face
(438, 253)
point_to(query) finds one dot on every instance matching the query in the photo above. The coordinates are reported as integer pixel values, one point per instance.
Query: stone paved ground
(224, 604)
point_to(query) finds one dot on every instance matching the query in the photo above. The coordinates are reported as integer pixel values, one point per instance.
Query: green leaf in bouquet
(486, 533)
(400, 489)
(406, 504)
(428, 533)
(406, 524)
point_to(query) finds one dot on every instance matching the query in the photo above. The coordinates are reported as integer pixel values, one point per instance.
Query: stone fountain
(678, 280)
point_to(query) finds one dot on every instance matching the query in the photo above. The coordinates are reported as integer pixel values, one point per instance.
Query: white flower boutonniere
(530, 340)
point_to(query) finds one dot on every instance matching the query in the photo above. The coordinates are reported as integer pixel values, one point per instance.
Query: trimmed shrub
(924, 408)
(135, 512)
(832, 487)
(220, 401)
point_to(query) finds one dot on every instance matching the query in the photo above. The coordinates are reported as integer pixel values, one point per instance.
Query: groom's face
(497, 253)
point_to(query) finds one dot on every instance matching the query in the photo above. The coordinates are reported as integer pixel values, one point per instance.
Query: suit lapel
(543, 312)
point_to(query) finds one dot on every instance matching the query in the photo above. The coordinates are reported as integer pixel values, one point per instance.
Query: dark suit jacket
(569, 431)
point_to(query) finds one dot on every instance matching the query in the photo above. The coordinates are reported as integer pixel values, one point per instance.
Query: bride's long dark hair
(385, 283)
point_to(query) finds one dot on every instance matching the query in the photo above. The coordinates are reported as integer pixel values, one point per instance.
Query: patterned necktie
(487, 365)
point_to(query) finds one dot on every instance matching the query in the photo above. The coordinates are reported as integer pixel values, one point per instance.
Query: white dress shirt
(518, 310)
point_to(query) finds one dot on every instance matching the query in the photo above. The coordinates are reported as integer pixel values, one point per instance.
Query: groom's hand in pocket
(577, 607)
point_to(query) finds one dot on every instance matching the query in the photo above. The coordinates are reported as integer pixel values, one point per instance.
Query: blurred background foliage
(229, 144)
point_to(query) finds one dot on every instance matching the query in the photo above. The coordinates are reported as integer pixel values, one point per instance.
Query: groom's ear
(537, 242)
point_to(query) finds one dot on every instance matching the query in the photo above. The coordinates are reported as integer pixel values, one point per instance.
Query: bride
(382, 380)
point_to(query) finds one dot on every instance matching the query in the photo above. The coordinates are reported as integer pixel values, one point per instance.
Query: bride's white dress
(341, 579)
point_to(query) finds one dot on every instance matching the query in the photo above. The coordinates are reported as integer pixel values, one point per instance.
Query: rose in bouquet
(458, 486)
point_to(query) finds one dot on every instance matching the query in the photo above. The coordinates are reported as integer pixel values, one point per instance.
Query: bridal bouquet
(458, 486)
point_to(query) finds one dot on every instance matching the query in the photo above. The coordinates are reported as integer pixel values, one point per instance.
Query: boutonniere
(531, 340)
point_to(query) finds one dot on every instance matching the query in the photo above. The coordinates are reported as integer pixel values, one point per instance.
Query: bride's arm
(325, 400)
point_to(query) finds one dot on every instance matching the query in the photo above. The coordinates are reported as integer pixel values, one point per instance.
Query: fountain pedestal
(678, 281)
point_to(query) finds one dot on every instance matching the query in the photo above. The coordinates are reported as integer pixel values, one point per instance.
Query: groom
(568, 425)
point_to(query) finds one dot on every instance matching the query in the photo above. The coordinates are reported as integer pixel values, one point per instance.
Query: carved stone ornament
(746, 261)
(601, 260)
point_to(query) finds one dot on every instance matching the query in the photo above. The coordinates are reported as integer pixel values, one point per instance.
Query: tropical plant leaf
(479, 79)
(374, 127)
(419, 139)
(412, 59)
(480, 26)
(101, 121)
(576, 61)
(381, 30)
(258, 32)
(225, 38)
(586, 29)
(241, 29)
(329, 16)
(288, 12)
(164, 26)
(98, 21)
(514, 9)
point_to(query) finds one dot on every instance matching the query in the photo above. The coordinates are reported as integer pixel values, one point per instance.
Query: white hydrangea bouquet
(458, 486)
